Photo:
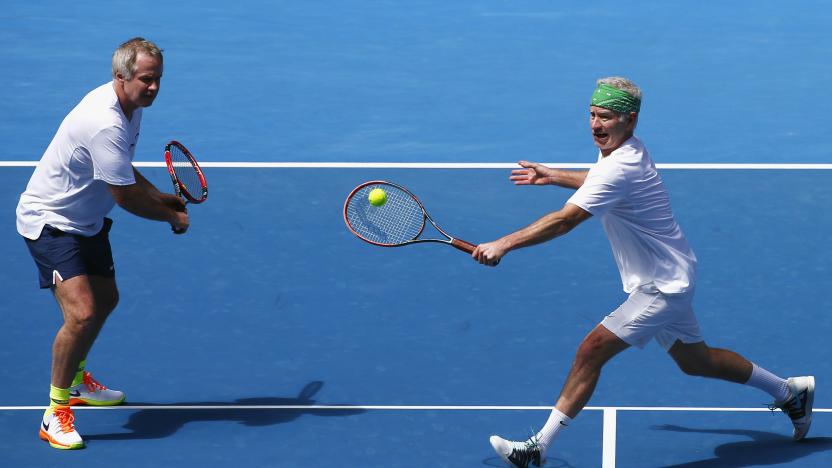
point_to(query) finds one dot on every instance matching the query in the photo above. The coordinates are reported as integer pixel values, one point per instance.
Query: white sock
(556, 422)
(769, 383)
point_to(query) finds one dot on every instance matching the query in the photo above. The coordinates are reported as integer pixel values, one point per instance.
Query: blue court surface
(269, 335)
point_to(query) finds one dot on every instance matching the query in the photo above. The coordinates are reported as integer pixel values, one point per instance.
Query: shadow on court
(160, 423)
(550, 462)
(764, 448)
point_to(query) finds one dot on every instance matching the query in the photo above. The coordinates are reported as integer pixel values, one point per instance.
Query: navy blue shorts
(61, 256)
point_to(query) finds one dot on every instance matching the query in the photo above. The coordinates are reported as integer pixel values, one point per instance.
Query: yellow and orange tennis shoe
(91, 392)
(58, 429)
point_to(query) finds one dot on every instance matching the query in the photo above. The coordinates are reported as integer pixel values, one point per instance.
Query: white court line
(403, 408)
(609, 438)
(609, 412)
(474, 165)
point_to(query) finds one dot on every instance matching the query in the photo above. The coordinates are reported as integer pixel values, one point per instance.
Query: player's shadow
(764, 448)
(161, 423)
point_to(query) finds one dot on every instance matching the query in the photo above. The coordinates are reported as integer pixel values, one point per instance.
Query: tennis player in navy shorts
(86, 170)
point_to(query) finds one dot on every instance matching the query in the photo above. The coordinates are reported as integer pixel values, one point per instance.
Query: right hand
(531, 174)
(180, 222)
(490, 253)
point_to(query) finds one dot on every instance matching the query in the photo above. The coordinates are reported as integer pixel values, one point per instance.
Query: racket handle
(185, 204)
(467, 247)
(463, 245)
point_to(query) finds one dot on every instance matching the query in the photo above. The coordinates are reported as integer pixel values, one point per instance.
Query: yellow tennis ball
(377, 197)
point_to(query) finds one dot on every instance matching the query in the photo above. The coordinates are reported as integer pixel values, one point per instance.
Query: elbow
(568, 225)
(571, 216)
(122, 194)
(119, 198)
(570, 222)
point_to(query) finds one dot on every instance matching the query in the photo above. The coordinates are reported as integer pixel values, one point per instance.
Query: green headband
(615, 99)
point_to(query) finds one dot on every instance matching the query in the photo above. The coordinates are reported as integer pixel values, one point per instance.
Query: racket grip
(463, 245)
(467, 247)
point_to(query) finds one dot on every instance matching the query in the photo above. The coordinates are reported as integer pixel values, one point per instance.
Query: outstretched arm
(145, 200)
(548, 227)
(537, 174)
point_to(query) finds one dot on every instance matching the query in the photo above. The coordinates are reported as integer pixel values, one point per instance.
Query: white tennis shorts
(646, 315)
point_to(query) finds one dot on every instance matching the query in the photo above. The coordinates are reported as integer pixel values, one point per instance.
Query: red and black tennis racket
(400, 220)
(187, 177)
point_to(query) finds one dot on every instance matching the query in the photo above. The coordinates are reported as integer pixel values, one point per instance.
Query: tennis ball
(377, 197)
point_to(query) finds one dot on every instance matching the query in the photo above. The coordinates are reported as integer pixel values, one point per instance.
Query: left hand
(532, 174)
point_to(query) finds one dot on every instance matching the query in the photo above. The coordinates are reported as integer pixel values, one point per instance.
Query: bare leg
(85, 302)
(701, 360)
(596, 349)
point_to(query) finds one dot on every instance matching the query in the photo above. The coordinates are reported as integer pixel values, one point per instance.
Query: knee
(589, 353)
(85, 316)
(696, 369)
(82, 320)
(700, 366)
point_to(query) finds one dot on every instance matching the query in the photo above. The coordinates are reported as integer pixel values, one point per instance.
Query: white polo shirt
(93, 147)
(626, 192)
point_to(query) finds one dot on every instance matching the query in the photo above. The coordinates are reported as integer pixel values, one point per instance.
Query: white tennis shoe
(91, 392)
(799, 404)
(518, 454)
(58, 429)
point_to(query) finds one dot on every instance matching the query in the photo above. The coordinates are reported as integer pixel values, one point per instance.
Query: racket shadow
(161, 423)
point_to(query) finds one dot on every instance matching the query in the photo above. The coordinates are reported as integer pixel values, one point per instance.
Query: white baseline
(472, 165)
(403, 408)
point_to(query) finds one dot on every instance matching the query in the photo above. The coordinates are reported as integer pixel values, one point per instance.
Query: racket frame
(457, 243)
(181, 190)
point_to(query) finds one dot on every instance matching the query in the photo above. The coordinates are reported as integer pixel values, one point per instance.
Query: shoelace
(533, 443)
(65, 418)
(529, 452)
(92, 384)
(789, 407)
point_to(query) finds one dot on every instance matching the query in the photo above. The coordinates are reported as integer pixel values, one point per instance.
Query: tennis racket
(399, 221)
(187, 177)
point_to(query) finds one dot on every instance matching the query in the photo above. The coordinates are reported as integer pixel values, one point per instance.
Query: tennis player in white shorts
(649, 314)
(657, 266)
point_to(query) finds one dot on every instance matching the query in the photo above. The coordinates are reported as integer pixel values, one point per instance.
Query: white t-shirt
(94, 146)
(626, 192)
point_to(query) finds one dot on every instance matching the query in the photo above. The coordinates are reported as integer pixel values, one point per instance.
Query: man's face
(608, 131)
(141, 90)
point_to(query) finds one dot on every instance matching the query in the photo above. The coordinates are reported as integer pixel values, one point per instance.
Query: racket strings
(399, 220)
(186, 172)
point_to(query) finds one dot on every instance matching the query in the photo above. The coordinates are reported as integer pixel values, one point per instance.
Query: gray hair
(124, 58)
(619, 82)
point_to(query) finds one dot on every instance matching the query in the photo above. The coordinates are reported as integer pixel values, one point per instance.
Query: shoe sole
(83, 401)
(55, 444)
(810, 401)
